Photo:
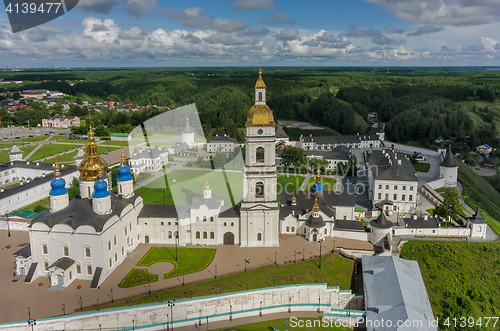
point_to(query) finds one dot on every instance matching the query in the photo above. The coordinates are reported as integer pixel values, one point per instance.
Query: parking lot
(13, 133)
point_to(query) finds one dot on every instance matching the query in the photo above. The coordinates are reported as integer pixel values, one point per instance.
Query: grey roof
(231, 212)
(327, 200)
(178, 147)
(213, 203)
(388, 167)
(280, 133)
(339, 139)
(421, 223)
(151, 153)
(67, 169)
(315, 222)
(329, 155)
(477, 218)
(449, 160)
(349, 225)
(341, 148)
(158, 211)
(79, 212)
(394, 291)
(24, 252)
(382, 222)
(224, 139)
(80, 153)
(15, 150)
(187, 128)
(63, 263)
(442, 145)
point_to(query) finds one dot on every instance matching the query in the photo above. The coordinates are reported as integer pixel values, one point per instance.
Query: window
(197, 218)
(125, 230)
(225, 223)
(259, 190)
(123, 251)
(137, 220)
(386, 196)
(78, 268)
(395, 187)
(110, 263)
(204, 234)
(45, 249)
(395, 197)
(403, 197)
(325, 231)
(259, 236)
(130, 226)
(89, 270)
(410, 198)
(204, 218)
(411, 188)
(169, 223)
(161, 223)
(260, 96)
(197, 234)
(304, 230)
(114, 240)
(116, 257)
(293, 229)
(109, 245)
(232, 223)
(404, 187)
(87, 251)
(212, 235)
(259, 155)
(211, 218)
(380, 186)
(46, 266)
(65, 250)
(169, 234)
(287, 229)
(380, 195)
(387, 187)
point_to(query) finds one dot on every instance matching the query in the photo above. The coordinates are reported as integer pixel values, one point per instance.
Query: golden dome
(316, 206)
(293, 197)
(260, 82)
(92, 165)
(206, 187)
(318, 175)
(260, 115)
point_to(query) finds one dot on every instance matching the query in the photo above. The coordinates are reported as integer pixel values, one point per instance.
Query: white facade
(148, 160)
(403, 194)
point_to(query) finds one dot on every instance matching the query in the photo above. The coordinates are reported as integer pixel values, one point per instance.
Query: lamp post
(231, 312)
(8, 225)
(64, 309)
(247, 284)
(216, 271)
(191, 292)
(276, 258)
(176, 233)
(294, 256)
(171, 304)
(333, 251)
(149, 291)
(260, 312)
(81, 304)
(97, 304)
(274, 281)
(199, 321)
(133, 324)
(303, 256)
(320, 253)
(112, 301)
(319, 304)
(30, 321)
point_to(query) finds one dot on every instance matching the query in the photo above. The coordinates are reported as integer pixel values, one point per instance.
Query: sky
(158, 33)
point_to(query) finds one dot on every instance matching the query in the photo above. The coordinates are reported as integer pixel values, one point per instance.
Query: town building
(150, 159)
(325, 143)
(484, 149)
(15, 154)
(221, 144)
(339, 154)
(58, 121)
(118, 136)
(281, 135)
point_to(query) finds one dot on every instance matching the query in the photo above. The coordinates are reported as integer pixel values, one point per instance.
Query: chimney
(399, 162)
(426, 217)
(415, 216)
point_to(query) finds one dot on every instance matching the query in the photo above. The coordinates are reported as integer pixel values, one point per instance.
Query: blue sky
(160, 33)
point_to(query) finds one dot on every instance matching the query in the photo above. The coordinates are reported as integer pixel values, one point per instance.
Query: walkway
(304, 184)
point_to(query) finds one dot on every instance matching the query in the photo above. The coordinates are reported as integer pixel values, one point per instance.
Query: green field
(45, 203)
(188, 184)
(290, 183)
(282, 324)
(328, 183)
(137, 277)
(189, 260)
(51, 149)
(334, 267)
(477, 116)
(461, 278)
(4, 156)
(422, 167)
(70, 157)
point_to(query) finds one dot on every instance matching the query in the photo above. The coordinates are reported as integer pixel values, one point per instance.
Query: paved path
(17, 297)
(32, 152)
(304, 184)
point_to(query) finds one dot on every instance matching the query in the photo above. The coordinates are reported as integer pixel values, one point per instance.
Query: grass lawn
(282, 324)
(290, 183)
(333, 267)
(189, 183)
(114, 143)
(44, 203)
(142, 177)
(193, 259)
(461, 278)
(421, 167)
(70, 157)
(137, 277)
(71, 141)
(328, 183)
(51, 149)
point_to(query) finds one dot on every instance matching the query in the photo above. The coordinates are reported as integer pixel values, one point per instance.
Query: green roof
(28, 214)
(119, 134)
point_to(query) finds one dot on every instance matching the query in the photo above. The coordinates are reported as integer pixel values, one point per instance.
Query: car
(46, 134)
(62, 134)
(31, 136)
(17, 138)
(37, 131)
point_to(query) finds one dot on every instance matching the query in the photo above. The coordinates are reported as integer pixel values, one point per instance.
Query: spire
(92, 164)
(206, 187)
(260, 82)
(316, 206)
(318, 175)
(294, 199)
(123, 158)
(57, 173)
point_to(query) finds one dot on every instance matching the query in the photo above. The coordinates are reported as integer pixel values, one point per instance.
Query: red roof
(109, 102)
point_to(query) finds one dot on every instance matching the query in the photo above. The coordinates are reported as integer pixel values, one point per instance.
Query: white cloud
(288, 34)
(447, 12)
(426, 29)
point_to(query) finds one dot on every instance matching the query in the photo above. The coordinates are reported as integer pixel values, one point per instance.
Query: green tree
(101, 131)
(293, 156)
(450, 208)
(74, 188)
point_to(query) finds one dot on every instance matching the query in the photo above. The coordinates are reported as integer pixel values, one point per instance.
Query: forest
(416, 105)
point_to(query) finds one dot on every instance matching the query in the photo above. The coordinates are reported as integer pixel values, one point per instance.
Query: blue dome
(124, 173)
(101, 189)
(58, 186)
(317, 187)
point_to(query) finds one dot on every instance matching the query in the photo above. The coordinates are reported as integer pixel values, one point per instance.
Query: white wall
(441, 232)
(304, 297)
(355, 235)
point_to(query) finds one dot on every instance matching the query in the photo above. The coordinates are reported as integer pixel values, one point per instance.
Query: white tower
(207, 191)
(59, 198)
(15, 154)
(448, 169)
(259, 208)
(187, 135)
(125, 180)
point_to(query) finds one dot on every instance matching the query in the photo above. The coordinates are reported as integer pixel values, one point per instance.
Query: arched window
(204, 218)
(260, 96)
(325, 231)
(197, 234)
(259, 190)
(293, 229)
(259, 236)
(304, 230)
(45, 249)
(212, 235)
(169, 234)
(225, 223)
(287, 229)
(259, 155)
(65, 250)
(197, 218)
(204, 234)
(232, 223)
(211, 218)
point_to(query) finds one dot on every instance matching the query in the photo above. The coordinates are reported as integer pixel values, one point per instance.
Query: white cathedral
(88, 237)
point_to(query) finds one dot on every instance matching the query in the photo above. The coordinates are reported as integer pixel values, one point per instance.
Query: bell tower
(260, 209)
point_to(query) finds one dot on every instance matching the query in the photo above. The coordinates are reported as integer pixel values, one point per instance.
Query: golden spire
(260, 82)
(206, 187)
(123, 158)
(260, 114)
(316, 206)
(293, 197)
(318, 175)
(92, 164)
(57, 173)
